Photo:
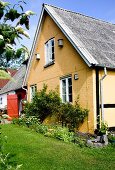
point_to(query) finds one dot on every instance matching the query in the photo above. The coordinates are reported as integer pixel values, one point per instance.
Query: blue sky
(101, 9)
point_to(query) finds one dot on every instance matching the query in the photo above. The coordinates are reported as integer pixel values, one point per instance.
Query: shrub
(63, 134)
(43, 104)
(72, 115)
(54, 131)
(104, 128)
(26, 121)
(80, 141)
(40, 128)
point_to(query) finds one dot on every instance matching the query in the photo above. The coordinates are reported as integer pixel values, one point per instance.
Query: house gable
(67, 59)
(93, 39)
(77, 44)
(67, 63)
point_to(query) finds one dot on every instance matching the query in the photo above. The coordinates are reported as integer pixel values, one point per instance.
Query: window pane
(64, 98)
(50, 51)
(52, 41)
(70, 98)
(70, 90)
(67, 89)
(70, 81)
(52, 56)
(33, 89)
(63, 90)
(64, 83)
(63, 86)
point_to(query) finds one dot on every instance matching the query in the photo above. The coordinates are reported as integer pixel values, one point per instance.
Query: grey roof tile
(96, 36)
(17, 81)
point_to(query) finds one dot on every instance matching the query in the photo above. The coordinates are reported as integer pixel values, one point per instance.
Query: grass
(37, 152)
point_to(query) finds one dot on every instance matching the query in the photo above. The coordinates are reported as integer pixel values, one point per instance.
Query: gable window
(33, 89)
(49, 51)
(66, 89)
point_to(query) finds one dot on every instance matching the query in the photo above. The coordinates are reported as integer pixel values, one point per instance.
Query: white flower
(18, 28)
(26, 34)
(1, 37)
(9, 46)
(4, 3)
(29, 13)
(22, 31)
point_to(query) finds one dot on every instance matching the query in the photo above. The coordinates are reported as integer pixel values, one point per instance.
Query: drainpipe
(25, 90)
(101, 94)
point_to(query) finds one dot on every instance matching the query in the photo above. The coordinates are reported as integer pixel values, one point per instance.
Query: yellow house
(75, 53)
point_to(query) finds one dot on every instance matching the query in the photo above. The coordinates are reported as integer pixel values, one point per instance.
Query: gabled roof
(3, 82)
(93, 39)
(16, 82)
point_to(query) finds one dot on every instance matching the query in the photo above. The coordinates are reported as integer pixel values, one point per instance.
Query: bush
(63, 134)
(72, 115)
(41, 128)
(43, 104)
(47, 104)
(30, 121)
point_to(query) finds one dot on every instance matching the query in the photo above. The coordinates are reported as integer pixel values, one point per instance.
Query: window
(49, 51)
(66, 89)
(33, 89)
(0, 100)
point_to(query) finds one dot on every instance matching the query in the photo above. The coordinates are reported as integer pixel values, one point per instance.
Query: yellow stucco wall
(109, 96)
(67, 61)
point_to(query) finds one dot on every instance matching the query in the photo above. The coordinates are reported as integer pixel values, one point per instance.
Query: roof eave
(33, 47)
(80, 49)
(87, 59)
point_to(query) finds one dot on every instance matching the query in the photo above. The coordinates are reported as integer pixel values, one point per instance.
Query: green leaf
(4, 75)
(9, 54)
(23, 19)
(1, 13)
(2, 43)
(12, 15)
(18, 53)
(27, 23)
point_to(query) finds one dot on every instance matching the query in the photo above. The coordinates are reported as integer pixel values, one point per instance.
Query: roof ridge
(101, 20)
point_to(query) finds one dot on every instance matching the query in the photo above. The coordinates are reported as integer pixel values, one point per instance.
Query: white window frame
(67, 88)
(49, 52)
(33, 89)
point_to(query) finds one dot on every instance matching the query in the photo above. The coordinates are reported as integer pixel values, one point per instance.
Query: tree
(13, 25)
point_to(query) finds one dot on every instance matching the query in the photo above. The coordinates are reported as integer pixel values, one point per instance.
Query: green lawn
(37, 152)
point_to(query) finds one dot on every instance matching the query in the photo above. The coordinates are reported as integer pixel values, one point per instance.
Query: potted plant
(104, 128)
(103, 133)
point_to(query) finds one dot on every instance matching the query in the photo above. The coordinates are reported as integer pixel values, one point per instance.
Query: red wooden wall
(12, 106)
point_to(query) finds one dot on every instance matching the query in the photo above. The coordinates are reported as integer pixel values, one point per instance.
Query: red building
(12, 94)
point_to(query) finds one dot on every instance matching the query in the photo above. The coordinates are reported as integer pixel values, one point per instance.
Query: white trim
(48, 51)
(61, 88)
(33, 47)
(87, 57)
(67, 90)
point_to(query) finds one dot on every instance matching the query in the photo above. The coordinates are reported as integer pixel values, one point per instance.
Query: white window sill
(49, 64)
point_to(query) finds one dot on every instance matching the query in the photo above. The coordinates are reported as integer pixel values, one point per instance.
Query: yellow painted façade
(69, 62)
